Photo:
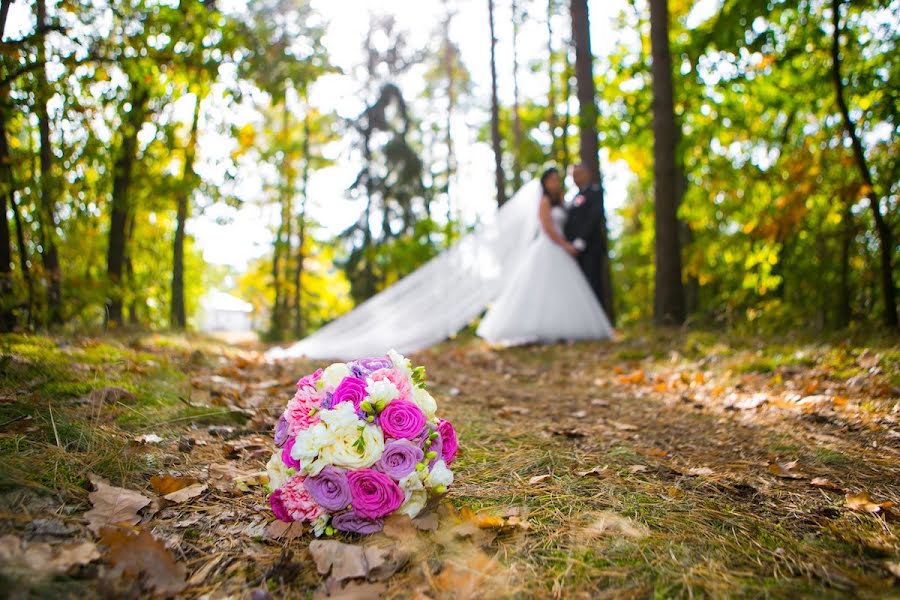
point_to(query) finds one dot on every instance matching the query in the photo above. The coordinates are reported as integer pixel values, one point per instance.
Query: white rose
(277, 471)
(342, 416)
(401, 363)
(309, 443)
(381, 390)
(440, 475)
(425, 402)
(414, 503)
(345, 452)
(334, 374)
(412, 483)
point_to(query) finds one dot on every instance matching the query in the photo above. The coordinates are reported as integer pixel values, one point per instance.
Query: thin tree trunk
(301, 231)
(449, 69)
(844, 311)
(668, 300)
(885, 238)
(120, 204)
(551, 79)
(23, 259)
(178, 314)
(7, 190)
(47, 223)
(567, 117)
(500, 179)
(587, 123)
(517, 118)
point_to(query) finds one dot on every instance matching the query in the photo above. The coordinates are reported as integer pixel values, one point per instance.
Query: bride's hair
(555, 198)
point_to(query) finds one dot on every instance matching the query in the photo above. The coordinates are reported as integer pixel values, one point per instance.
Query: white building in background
(223, 312)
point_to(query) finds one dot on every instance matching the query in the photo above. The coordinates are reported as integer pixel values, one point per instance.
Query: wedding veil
(438, 299)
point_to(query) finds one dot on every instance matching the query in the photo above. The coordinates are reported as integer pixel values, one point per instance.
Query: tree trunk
(7, 295)
(449, 70)
(587, 123)
(500, 179)
(567, 117)
(301, 231)
(517, 118)
(844, 311)
(23, 259)
(178, 314)
(885, 238)
(48, 225)
(668, 298)
(120, 204)
(551, 79)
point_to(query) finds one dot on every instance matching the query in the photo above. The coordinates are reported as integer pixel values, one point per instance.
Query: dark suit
(585, 222)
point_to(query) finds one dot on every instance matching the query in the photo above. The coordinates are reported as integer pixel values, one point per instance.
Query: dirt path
(669, 468)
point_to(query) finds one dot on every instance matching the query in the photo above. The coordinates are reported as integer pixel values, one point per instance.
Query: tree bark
(7, 295)
(567, 117)
(885, 237)
(120, 204)
(587, 123)
(301, 230)
(499, 177)
(517, 118)
(668, 299)
(48, 224)
(450, 72)
(178, 314)
(551, 79)
(23, 259)
(844, 310)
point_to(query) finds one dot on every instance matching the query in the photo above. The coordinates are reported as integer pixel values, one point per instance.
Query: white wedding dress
(547, 298)
(449, 292)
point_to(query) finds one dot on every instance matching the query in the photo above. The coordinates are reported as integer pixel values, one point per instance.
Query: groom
(584, 228)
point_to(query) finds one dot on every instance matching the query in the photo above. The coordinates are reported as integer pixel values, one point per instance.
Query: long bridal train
(438, 299)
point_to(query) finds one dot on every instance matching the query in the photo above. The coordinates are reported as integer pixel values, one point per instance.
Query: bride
(548, 298)
(517, 265)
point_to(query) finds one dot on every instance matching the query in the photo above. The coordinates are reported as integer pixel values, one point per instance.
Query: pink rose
(374, 494)
(402, 419)
(449, 444)
(286, 457)
(310, 380)
(296, 501)
(350, 389)
(275, 501)
(299, 408)
(397, 378)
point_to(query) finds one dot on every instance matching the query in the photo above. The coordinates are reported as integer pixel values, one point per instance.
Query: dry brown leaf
(623, 426)
(52, 559)
(138, 555)
(637, 468)
(821, 482)
(226, 477)
(185, 494)
(893, 568)
(594, 471)
(385, 560)
(113, 505)
(353, 591)
(281, 530)
(633, 379)
(476, 575)
(538, 478)
(698, 471)
(674, 492)
(166, 484)
(863, 502)
(426, 521)
(655, 453)
(785, 470)
(343, 561)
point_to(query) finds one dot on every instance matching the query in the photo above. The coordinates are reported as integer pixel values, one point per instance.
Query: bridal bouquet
(359, 441)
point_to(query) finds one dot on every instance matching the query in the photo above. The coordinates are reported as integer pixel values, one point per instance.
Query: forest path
(661, 465)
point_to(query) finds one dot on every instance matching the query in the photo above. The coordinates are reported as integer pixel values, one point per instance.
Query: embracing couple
(554, 293)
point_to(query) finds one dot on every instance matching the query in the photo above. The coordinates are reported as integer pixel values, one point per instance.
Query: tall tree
(587, 124)
(668, 298)
(178, 314)
(499, 177)
(7, 189)
(882, 229)
(517, 117)
(551, 81)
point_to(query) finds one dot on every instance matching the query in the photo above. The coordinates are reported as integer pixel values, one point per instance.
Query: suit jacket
(585, 220)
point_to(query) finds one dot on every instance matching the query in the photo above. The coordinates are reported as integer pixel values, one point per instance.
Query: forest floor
(664, 465)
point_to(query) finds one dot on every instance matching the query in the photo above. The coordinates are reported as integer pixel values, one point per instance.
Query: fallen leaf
(475, 575)
(623, 426)
(698, 471)
(166, 484)
(893, 568)
(594, 471)
(111, 395)
(633, 378)
(538, 478)
(426, 521)
(354, 590)
(138, 555)
(637, 468)
(609, 523)
(226, 477)
(148, 438)
(113, 505)
(185, 494)
(52, 559)
(785, 470)
(863, 502)
(660, 388)
(821, 482)
(343, 561)
(385, 560)
(282, 530)
(655, 453)
(598, 402)
(674, 492)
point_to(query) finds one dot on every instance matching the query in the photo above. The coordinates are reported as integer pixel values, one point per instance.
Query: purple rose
(281, 431)
(399, 459)
(351, 522)
(328, 401)
(330, 489)
(366, 366)
(374, 494)
(310, 380)
(286, 457)
(449, 445)
(278, 506)
(402, 419)
(350, 389)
